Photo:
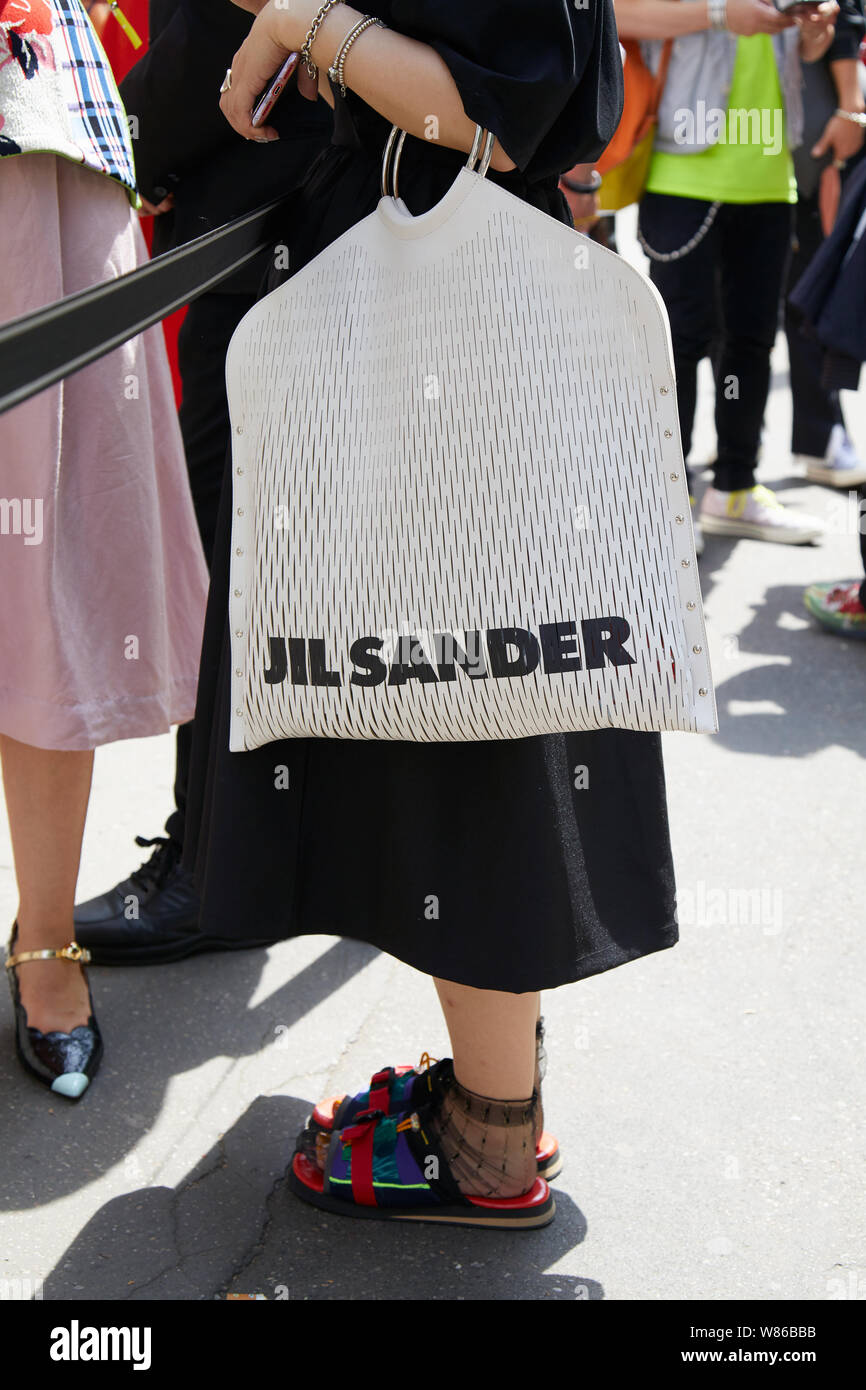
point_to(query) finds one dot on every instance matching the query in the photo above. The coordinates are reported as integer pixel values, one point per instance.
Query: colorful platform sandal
(394, 1090)
(391, 1168)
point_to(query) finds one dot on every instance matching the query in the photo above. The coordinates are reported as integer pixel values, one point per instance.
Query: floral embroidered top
(57, 91)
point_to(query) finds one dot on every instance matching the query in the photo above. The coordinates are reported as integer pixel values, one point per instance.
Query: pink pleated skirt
(102, 579)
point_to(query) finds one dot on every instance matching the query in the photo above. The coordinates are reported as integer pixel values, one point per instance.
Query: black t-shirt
(543, 75)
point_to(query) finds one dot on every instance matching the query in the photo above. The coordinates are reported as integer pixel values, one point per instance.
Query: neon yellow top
(751, 162)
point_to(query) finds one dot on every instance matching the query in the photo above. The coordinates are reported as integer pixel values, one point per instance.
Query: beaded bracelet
(335, 71)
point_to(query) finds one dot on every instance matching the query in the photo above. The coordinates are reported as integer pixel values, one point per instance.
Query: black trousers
(723, 301)
(204, 424)
(816, 410)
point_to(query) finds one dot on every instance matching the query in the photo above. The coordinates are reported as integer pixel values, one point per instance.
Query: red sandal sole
(534, 1209)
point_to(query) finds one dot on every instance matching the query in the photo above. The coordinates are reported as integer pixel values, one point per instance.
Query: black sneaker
(152, 917)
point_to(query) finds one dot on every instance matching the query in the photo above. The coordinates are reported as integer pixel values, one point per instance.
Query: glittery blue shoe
(65, 1062)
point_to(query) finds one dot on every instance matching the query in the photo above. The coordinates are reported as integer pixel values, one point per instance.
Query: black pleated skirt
(515, 865)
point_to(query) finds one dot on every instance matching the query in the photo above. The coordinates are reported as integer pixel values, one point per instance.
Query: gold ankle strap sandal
(72, 951)
(65, 1062)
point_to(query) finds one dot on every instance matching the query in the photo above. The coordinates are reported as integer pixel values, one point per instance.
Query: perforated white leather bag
(460, 509)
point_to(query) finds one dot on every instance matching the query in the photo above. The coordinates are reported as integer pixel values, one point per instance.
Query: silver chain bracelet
(312, 70)
(690, 245)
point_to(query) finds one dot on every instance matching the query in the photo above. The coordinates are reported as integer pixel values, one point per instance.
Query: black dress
(516, 865)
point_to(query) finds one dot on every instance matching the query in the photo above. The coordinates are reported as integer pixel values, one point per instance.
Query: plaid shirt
(57, 90)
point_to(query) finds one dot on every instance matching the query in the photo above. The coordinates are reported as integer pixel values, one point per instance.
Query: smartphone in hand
(274, 89)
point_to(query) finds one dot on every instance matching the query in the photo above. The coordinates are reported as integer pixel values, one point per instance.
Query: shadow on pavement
(233, 1226)
(809, 698)
(158, 1022)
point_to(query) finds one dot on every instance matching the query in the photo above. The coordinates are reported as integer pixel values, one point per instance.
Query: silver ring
(227, 81)
(839, 164)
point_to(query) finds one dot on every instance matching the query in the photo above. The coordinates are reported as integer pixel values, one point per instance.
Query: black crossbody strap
(39, 349)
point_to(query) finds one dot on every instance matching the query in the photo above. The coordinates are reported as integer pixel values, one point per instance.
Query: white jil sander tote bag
(460, 509)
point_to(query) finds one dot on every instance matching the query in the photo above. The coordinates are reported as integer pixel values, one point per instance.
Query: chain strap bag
(461, 512)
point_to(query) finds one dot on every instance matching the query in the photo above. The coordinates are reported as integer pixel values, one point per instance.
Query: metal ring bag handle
(391, 157)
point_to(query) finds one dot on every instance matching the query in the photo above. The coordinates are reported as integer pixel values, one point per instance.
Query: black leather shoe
(65, 1062)
(152, 917)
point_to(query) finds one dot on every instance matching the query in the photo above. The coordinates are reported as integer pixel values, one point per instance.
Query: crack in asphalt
(175, 1198)
(255, 1249)
(257, 1244)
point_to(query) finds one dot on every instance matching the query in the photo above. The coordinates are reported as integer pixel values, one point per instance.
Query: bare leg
(486, 1120)
(492, 1039)
(46, 802)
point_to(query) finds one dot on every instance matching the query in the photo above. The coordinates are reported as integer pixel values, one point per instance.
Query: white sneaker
(756, 512)
(696, 530)
(840, 467)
